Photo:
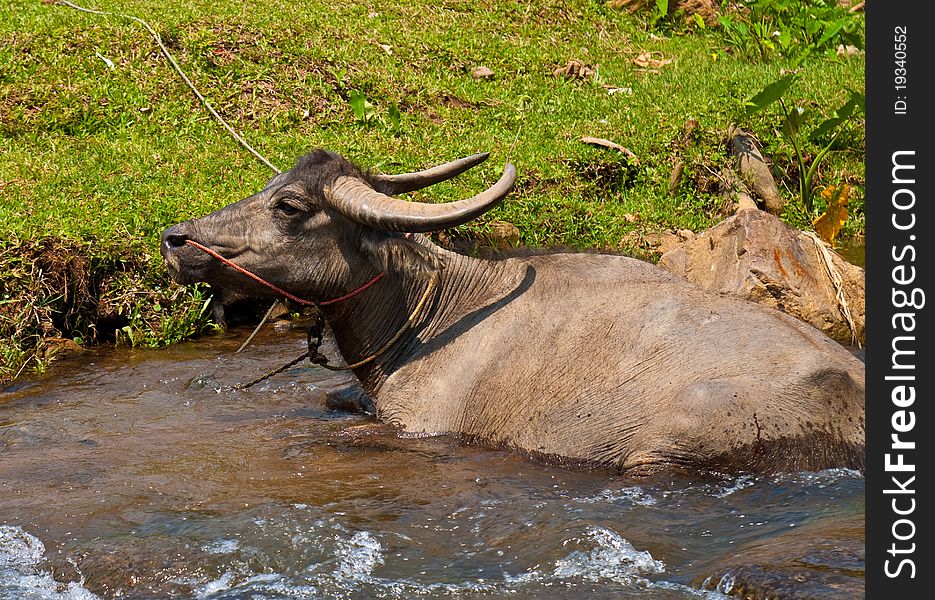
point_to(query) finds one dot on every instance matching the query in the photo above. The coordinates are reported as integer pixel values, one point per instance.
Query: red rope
(273, 287)
(355, 292)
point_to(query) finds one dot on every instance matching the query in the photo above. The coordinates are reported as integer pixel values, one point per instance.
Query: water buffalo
(581, 358)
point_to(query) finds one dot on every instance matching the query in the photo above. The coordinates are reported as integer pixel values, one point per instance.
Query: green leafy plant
(661, 11)
(790, 28)
(363, 108)
(393, 118)
(794, 117)
(164, 317)
(366, 113)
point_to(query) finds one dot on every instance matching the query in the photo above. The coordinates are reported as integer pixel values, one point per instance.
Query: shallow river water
(142, 474)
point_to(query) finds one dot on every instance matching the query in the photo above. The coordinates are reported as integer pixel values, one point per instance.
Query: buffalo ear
(395, 253)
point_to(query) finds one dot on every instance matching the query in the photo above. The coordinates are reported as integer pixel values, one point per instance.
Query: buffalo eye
(287, 207)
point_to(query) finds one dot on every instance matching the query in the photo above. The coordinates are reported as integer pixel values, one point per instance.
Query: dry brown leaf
(648, 60)
(575, 69)
(630, 5)
(832, 220)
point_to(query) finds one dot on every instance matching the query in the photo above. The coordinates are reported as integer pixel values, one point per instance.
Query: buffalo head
(322, 228)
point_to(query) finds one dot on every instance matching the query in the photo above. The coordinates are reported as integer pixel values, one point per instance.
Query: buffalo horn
(410, 182)
(356, 200)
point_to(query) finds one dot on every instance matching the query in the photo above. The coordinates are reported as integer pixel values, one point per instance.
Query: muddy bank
(58, 297)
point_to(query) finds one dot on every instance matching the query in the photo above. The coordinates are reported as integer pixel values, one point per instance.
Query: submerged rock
(814, 560)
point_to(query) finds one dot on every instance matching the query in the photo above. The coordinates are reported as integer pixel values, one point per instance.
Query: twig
(838, 284)
(603, 143)
(259, 325)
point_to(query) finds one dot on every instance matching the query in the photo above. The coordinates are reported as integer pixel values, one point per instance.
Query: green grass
(103, 159)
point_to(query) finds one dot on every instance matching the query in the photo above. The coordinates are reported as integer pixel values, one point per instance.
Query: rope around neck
(312, 351)
(316, 331)
(409, 322)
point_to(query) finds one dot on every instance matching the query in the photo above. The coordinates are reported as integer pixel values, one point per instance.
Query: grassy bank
(103, 146)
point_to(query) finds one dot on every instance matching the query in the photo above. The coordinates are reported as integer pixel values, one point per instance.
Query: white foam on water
(21, 577)
(274, 587)
(211, 588)
(224, 546)
(359, 555)
(744, 481)
(634, 495)
(268, 586)
(818, 479)
(602, 556)
(821, 478)
(611, 558)
(690, 591)
(353, 560)
(726, 583)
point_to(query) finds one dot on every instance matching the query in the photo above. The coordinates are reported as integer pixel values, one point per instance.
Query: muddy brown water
(854, 251)
(143, 474)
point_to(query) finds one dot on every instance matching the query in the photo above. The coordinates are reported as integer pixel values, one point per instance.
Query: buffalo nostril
(176, 240)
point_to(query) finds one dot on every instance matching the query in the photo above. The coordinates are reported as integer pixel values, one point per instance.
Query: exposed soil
(606, 174)
(706, 9)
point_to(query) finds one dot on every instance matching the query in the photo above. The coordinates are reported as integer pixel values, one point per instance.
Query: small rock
(279, 311)
(61, 347)
(848, 50)
(285, 325)
(734, 192)
(662, 241)
(482, 73)
(503, 235)
(754, 170)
